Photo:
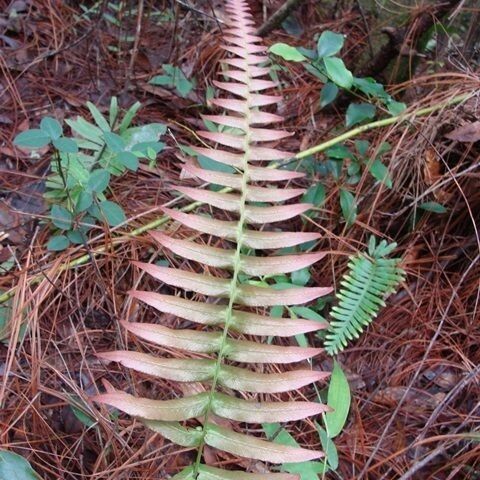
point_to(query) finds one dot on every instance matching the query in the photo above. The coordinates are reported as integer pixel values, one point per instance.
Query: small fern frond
(369, 280)
(226, 315)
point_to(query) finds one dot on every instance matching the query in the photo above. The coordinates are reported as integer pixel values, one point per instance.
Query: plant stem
(188, 208)
(377, 124)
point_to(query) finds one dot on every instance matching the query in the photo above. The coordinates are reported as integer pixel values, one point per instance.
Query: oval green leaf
(337, 72)
(34, 138)
(65, 145)
(287, 52)
(15, 467)
(339, 399)
(98, 181)
(433, 207)
(51, 127)
(114, 142)
(328, 94)
(348, 206)
(58, 243)
(329, 43)
(129, 160)
(110, 212)
(358, 112)
(61, 217)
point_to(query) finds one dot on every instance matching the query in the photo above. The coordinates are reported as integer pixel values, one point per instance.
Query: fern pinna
(224, 360)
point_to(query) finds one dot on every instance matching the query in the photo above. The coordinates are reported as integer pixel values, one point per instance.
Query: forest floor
(415, 372)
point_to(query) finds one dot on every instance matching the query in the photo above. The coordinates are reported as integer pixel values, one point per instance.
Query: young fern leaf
(226, 386)
(370, 279)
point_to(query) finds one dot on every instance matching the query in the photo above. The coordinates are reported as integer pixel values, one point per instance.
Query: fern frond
(218, 339)
(369, 280)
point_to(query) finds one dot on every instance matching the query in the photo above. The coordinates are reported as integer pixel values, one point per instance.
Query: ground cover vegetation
(109, 125)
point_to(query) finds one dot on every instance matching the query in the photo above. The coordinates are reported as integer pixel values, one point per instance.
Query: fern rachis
(227, 322)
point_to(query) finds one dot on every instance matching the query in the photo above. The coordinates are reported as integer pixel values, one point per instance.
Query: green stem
(305, 153)
(379, 123)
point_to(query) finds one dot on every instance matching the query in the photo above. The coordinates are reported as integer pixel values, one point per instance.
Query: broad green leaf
(147, 149)
(15, 467)
(61, 217)
(34, 138)
(51, 127)
(84, 201)
(110, 212)
(329, 43)
(371, 87)
(396, 108)
(114, 142)
(287, 52)
(145, 134)
(100, 120)
(328, 94)
(184, 86)
(328, 447)
(348, 206)
(77, 237)
(339, 152)
(338, 398)
(98, 181)
(315, 195)
(301, 277)
(433, 207)
(362, 147)
(58, 243)
(292, 26)
(358, 112)
(163, 80)
(174, 77)
(380, 172)
(337, 72)
(129, 160)
(65, 145)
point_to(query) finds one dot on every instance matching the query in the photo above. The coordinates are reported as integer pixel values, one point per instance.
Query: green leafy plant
(116, 14)
(370, 279)
(173, 77)
(82, 167)
(330, 69)
(236, 302)
(14, 466)
(346, 166)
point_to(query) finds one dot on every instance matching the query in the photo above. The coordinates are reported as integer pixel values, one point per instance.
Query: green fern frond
(370, 279)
